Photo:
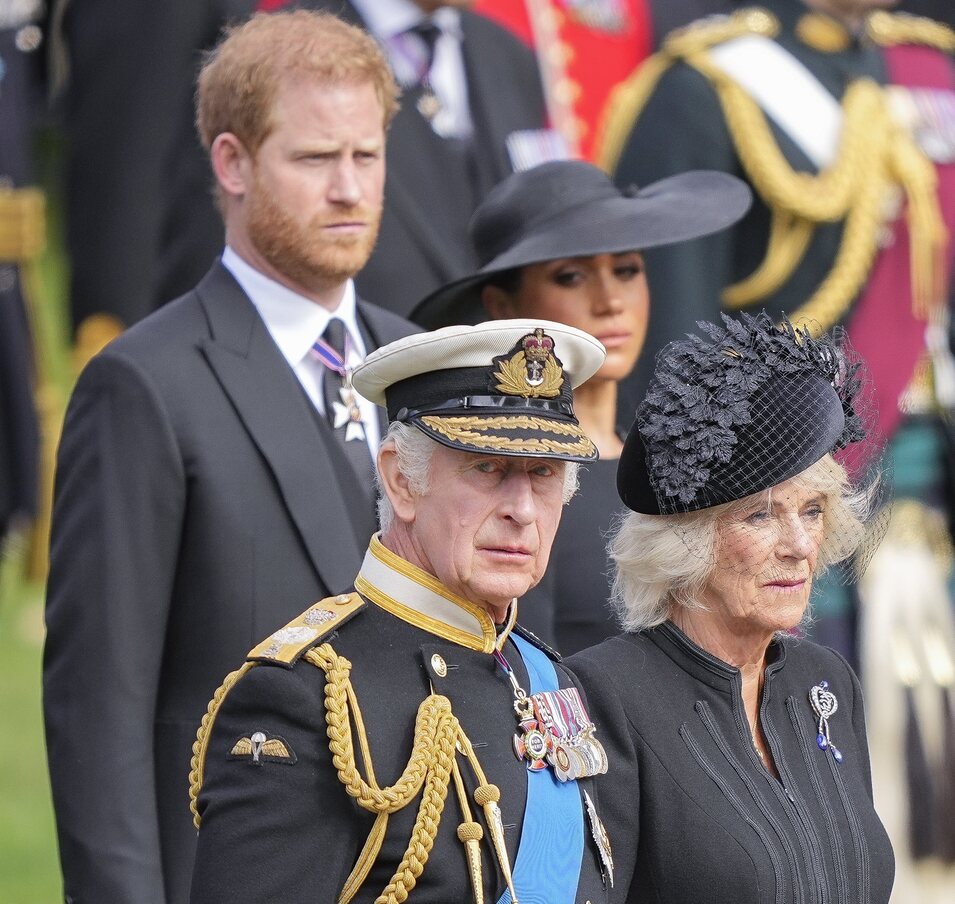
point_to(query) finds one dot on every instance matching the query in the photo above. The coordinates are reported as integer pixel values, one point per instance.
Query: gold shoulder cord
(889, 29)
(875, 156)
(200, 745)
(628, 99)
(431, 767)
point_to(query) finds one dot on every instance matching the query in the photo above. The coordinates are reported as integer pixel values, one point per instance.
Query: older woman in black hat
(561, 242)
(738, 751)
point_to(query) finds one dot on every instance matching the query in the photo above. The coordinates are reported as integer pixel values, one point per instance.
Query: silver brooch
(825, 704)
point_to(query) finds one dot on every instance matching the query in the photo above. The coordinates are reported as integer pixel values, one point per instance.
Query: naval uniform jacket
(701, 819)
(200, 503)
(290, 832)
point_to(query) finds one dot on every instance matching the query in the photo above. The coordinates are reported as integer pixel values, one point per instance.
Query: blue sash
(552, 837)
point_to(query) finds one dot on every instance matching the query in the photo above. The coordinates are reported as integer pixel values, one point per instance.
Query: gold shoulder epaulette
(713, 30)
(888, 29)
(628, 99)
(287, 645)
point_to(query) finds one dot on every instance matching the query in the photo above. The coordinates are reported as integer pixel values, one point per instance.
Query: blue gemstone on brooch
(824, 705)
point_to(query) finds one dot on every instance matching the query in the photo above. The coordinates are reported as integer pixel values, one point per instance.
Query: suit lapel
(411, 153)
(276, 413)
(493, 161)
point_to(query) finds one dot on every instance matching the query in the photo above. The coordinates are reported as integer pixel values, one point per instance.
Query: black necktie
(341, 404)
(427, 33)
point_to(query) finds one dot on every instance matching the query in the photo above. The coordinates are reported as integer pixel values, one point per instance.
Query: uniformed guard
(408, 734)
(841, 116)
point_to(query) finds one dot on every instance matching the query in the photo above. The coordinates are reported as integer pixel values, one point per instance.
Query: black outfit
(702, 818)
(290, 832)
(666, 15)
(940, 10)
(21, 94)
(200, 499)
(575, 590)
(141, 225)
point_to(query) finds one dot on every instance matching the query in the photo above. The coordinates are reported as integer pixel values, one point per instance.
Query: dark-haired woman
(560, 242)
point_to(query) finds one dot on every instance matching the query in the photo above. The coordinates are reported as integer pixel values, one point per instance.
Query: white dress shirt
(388, 21)
(295, 323)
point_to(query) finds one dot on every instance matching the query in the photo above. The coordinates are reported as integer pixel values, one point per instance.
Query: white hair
(413, 451)
(663, 562)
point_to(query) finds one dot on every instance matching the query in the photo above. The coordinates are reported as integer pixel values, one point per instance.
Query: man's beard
(308, 255)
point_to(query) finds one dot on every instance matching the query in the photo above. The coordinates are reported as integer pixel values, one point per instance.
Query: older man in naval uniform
(410, 734)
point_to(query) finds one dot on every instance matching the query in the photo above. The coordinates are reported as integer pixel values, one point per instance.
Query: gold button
(342, 598)
(439, 665)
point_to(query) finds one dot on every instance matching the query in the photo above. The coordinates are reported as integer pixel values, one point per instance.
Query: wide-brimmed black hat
(749, 406)
(569, 208)
(502, 388)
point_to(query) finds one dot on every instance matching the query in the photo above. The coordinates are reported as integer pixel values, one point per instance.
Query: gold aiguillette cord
(486, 796)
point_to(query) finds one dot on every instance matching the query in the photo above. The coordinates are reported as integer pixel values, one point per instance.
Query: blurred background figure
(841, 115)
(559, 242)
(22, 237)
(141, 225)
(585, 47)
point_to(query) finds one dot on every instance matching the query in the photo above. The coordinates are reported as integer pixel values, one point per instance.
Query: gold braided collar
(420, 599)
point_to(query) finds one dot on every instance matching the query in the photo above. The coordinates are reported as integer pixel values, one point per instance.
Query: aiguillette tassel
(487, 797)
(470, 835)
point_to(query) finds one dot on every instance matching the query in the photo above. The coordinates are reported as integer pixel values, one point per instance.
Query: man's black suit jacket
(200, 504)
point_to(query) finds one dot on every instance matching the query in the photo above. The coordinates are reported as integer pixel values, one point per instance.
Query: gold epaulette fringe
(22, 224)
(628, 99)
(201, 744)
(889, 29)
(283, 648)
(712, 30)
(876, 157)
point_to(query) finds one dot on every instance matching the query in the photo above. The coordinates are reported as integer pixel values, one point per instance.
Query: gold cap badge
(532, 371)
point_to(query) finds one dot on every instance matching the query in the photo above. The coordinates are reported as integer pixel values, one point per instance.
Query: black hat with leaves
(743, 407)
